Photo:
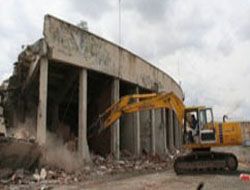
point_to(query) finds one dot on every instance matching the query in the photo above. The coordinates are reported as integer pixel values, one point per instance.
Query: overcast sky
(203, 44)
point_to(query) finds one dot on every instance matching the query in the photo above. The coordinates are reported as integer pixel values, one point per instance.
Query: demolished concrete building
(70, 76)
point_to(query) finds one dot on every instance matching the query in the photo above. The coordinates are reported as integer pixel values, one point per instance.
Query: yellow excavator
(199, 130)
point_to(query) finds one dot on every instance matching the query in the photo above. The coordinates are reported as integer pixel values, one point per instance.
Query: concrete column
(42, 105)
(152, 119)
(115, 129)
(145, 131)
(83, 148)
(181, 136)
(176, 133)
(137, 130)
(164, 123)
(170, 131)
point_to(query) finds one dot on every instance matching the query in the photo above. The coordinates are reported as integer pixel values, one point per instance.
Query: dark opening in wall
(99, 99)
(62, 105)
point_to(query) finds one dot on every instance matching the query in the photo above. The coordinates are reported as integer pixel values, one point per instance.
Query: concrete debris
(22, 133)
(36, 177)
(101, 167)
(109, 166)
(19, 174)
(2, 128)
(5, 173)
(40, 176)
(17, 154)
(43, 174)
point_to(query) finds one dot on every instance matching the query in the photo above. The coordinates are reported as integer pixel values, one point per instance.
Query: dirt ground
(164, 180)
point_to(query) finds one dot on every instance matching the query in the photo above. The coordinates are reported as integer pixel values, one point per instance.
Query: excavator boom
(142, 102)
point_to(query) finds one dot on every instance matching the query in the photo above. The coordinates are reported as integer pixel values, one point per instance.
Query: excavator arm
(142, 102)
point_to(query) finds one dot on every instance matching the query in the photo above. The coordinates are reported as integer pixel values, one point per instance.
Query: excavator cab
(199, 137)
(199, 126)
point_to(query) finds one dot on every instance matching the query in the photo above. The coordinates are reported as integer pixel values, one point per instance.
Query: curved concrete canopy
(73, 45)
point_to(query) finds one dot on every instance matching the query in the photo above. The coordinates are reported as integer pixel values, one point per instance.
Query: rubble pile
(129, 164)
(99, 168)
(24, 162)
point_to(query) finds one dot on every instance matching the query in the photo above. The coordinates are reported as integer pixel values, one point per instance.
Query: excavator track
(205, 161)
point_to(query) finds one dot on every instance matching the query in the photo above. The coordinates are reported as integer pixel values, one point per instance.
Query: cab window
(203, 120)
(209, 116)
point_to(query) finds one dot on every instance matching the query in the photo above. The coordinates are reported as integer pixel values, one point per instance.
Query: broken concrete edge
(33, 55)
(29, 58)
(25, 70)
